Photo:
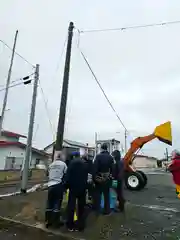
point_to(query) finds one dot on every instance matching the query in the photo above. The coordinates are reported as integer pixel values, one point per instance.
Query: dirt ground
(12, 231)
(153, 213)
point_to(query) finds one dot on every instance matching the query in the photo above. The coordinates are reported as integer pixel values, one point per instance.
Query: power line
(11, 86)
(61, 55)
(105, 95)
(17, 84)
(17, 80)
(42, 92)
(130, 27)
(17, 53)
(46, 108)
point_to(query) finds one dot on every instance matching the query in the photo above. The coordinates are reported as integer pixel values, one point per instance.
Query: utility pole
(62, 113)
(30, 133)
(8, 83)
(125, 141)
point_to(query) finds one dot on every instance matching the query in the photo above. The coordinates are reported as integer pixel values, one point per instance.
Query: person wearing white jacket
(57, 171)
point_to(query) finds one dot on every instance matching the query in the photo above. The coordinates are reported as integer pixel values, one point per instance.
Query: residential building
(71, 146)
(112, 145)
(142, 161)
(12, 152)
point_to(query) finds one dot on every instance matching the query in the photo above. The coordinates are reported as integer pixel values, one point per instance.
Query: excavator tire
(144, 177)
(134, 181)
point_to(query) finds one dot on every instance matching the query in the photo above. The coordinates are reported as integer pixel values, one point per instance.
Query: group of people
(80, 176)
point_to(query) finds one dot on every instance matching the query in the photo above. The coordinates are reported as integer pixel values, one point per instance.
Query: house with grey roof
(71, 146)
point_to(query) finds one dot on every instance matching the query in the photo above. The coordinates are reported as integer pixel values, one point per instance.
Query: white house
(12, 152)
(112, 144)
(70, 146)
(142, 161)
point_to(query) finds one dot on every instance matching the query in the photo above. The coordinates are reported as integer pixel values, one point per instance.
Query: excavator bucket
(163, 133)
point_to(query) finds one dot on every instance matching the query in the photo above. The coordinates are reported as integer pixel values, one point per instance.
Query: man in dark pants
(90, 182)
(102, 172)
(57, 171)
(118, 174)
(76, 180)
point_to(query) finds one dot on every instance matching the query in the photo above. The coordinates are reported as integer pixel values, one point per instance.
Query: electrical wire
(17, 53)
(62, 51)
(35, 133)
(105, 95)
(46, 108)
(17, 80)
(130, 27)
(11, 86)
(42, 92)
(17, 84)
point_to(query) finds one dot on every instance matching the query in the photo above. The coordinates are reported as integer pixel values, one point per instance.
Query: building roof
(145, 156)
(68, 142)
(74, 143)
(22, 145)
(107, 141)
(12, 134)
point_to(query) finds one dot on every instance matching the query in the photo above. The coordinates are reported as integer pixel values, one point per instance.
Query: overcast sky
(138, 68)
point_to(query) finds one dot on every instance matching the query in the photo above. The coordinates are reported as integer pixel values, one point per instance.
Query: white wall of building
(143, 162)
(19, 154)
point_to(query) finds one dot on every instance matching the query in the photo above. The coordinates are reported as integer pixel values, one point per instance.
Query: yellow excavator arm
(162, 132)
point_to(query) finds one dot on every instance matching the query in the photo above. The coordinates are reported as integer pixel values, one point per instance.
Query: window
(37, 161)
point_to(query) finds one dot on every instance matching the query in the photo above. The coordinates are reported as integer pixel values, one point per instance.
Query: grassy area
(15, 175)
(9, 175)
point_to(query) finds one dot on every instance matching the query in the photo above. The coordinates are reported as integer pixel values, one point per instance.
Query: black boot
(48, 218)
(122, 205)
(56, 220)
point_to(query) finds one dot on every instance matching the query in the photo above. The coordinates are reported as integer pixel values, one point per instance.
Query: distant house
(71, 146)
(112, 144)
(142, 161)
(12, 152)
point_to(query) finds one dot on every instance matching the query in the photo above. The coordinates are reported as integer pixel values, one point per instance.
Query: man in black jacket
(102, 172)
(77, 175)
(119, 176)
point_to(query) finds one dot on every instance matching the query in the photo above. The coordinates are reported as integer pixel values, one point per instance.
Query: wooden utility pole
(25, 172)
(7, 84)
(62, 113)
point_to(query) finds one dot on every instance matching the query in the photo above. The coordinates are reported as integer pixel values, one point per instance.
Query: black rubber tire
(138, 177)
(144, 177)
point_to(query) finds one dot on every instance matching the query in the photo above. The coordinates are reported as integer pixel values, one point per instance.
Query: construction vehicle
(135, 179)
